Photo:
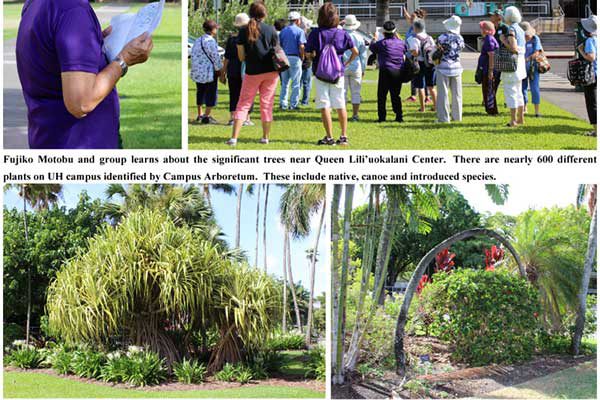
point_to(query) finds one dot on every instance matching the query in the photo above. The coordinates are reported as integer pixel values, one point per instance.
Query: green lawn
(573, 383)
(150, 94)
(558, 129)
(36, 385)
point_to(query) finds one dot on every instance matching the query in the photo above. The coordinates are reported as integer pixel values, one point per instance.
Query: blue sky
(224, 208)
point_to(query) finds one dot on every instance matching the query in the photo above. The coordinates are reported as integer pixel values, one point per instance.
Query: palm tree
(265, 227)
(335, 280)
(224, 188)
(591, 192)
(238, 214)
(39, 197)
(291, 283)
(257, 225)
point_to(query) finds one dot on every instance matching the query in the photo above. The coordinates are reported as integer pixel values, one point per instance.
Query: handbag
(543, 65)
(437, 55)
(479, 75)
(410, 69)
(280, 60)
(581, 73)
(505, 60)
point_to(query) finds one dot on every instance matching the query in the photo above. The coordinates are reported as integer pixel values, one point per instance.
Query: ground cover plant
(558, 129)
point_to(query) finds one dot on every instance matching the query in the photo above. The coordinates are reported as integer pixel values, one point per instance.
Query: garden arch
(416, 277)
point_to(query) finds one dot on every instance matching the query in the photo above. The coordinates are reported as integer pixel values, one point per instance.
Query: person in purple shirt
(330, 95)
(486, 65)
(390, 59)
(68, 85)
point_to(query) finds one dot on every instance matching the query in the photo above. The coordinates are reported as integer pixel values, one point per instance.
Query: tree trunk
(335, 238)
(265, 226)
(291, 281)
(257, 225)
(238, 215)
(284, 317)
(338, 378)
(367, 261)
(383, 12)
(28, 322)
(416, 277)
(585, 283)
(384, 248)
(313, 262)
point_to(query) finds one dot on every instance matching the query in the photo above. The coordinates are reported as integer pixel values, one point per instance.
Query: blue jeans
(306, 83)
(293, 74)
(534, 85)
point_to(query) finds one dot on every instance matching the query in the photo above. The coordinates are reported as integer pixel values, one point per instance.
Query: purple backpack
(329, 67)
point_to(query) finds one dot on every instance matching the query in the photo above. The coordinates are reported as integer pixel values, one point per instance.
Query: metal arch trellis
(416, 277)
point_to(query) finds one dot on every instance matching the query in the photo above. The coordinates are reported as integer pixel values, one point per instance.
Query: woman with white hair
(514, 40)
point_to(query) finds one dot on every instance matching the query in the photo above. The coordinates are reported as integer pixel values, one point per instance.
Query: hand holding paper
(127, 27)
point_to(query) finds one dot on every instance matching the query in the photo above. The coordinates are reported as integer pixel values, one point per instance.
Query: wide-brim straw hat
(590, 24)
(453, 24)
(351, 23)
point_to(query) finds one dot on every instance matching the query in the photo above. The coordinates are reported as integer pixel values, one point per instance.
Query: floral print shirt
(205, 59)
(452, 44)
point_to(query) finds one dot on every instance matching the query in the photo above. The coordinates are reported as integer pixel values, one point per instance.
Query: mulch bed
(455, 380)
(210, 384)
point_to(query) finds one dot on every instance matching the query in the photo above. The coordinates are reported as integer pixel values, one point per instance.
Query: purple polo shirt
(390, 52)
(319, 37)
(58, 36)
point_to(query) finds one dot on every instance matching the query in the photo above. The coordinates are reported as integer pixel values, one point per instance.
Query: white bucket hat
(241, 19)
(351, 23)
(453, 24)
(590, 24)
(294, 16)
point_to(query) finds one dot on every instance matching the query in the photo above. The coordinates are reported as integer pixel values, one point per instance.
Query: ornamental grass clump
(23, 355)
(189, 371)
(87, 363)
(489, 316)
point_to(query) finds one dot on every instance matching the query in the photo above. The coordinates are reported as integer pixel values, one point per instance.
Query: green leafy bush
(244, 376)
(117, 368)
(24, 355)
(189, 371)
(590, 327)
(265, 362)
(144, 368)
(316, 363)
(490, 316)
(234, 373)
(286, 341)
(60, 359)
(87, 363)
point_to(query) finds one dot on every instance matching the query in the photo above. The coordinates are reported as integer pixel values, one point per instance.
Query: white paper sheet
(126, 27)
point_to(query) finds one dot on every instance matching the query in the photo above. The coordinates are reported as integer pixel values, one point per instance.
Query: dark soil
(210, 384)
(442, 378)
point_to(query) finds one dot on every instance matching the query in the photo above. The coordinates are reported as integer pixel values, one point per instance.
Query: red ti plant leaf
(444, 261)
(424, 280)
(493, 256)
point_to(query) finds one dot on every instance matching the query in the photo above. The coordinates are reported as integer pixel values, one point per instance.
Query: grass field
(573, 383)
(150, 94)
(36, 385)
(558, 129)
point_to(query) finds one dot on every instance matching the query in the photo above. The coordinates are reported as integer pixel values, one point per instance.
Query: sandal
(326, 141)
(264, 141)
(231, 142)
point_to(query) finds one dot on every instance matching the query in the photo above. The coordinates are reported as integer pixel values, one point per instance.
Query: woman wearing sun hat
(355, 71)
(589, 50)
(533, 47)
(514, 40)
(449, 71)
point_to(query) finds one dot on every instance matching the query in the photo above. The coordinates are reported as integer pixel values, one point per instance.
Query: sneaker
(304, 103)
(283, 108)
(231, 142)
(400, 119)
(248, 123)
(411, 99)
(230, 123)
(591, 133)
(326, 141)
(209, 120)
(342, 141)
(428, 100)
(198, 120)
(355, 118)
(264, 141)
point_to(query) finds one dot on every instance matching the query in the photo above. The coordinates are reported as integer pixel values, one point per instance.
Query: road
(15, 111)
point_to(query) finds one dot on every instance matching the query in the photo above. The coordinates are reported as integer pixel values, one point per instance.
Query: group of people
(432, 66)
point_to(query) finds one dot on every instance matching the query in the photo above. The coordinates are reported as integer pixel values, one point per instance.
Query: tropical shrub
(189, 371)
(87, 363)
(591, 327)
(489, 316)
(316, 363)
(244, 376)
(24, 355)
(60, 359)
(234, 373)
(265, 362)
(144, 368)
(286, 341)
(117, 367)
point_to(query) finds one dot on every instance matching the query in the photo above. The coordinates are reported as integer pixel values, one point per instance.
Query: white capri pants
(353, 85)
(513, 94)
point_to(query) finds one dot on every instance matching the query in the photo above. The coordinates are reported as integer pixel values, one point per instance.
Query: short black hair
(280, 24)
